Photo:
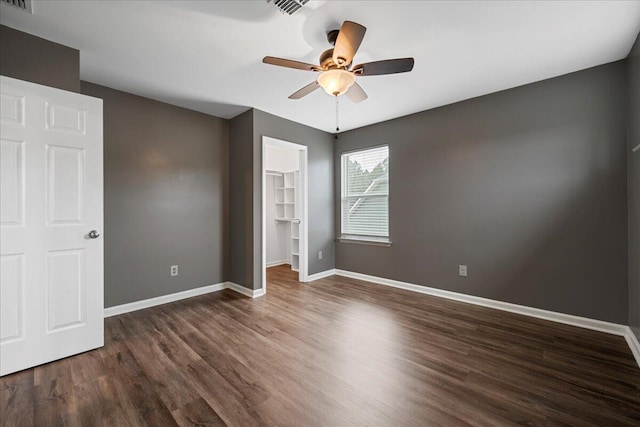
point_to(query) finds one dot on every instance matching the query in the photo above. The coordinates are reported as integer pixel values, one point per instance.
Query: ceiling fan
(337, 77)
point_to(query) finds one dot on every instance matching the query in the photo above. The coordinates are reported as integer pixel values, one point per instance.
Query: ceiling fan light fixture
(336, 82)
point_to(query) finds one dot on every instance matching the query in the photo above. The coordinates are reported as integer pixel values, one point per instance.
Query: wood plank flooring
(336, 352)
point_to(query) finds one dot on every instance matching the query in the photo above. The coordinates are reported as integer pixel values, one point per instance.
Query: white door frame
(304, 211)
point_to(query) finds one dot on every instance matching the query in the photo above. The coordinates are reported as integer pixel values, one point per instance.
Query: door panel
(12, 109)
(65, 185)
(66, 286)
(51, 197)
(66, 119)
(11, 182)
(12, 296)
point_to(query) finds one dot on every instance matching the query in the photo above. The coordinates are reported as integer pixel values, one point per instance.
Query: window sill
(365, 240)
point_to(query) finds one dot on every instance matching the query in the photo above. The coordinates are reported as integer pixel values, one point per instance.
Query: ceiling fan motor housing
(326, 60)
(332, 36)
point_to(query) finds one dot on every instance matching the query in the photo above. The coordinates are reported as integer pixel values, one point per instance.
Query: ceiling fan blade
(304, 91)
(348, 42)
(290, 63)
(388, 66)
(356, 93)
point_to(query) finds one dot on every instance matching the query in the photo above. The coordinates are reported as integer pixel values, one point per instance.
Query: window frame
(361, 238)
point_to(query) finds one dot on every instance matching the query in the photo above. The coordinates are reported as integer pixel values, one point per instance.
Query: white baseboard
(164, 299)
(634, 345)
(567, 319)
(321, 275)
(245, 291)
(276, 263)
(152, 302)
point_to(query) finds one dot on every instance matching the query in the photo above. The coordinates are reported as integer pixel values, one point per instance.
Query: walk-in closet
(282, 207)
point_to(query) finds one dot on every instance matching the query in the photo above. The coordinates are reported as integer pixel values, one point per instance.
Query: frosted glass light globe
(336, 82)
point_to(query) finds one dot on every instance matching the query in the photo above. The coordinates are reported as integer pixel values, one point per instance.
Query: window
(365, 194)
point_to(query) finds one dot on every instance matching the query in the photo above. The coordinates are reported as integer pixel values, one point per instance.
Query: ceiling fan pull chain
(337, 116)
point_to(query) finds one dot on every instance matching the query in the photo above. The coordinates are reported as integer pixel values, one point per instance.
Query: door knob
(93, 234)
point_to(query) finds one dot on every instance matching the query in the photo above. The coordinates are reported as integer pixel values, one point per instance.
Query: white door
(51, 269)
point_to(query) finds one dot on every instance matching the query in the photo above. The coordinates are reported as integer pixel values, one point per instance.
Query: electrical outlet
(174, 270)
(462, 270)
(319, 254)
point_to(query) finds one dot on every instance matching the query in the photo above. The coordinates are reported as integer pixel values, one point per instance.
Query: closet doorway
(284, 207)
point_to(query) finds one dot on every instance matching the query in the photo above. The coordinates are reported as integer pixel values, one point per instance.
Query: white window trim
(365, 240)
(359, 238)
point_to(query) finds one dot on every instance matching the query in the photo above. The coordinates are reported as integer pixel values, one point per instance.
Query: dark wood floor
(336, 352)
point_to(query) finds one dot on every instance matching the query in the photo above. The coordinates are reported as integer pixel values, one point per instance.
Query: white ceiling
(207, 55)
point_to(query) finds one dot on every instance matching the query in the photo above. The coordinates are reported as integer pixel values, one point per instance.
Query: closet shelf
(285, 197)
(288, 219)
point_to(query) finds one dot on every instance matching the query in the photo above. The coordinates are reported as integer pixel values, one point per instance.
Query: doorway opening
(284, 207)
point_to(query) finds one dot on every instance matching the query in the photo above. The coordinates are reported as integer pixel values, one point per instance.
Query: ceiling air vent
(289, 6)
(20, 4)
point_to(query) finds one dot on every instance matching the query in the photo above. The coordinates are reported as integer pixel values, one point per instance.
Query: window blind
(365, 192)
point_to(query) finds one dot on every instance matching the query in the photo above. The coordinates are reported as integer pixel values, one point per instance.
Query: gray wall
(527, 187)
(246, 132)
(321, 196)
(241, 199)
(30, 58)
(633, 74)
(165, 197)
